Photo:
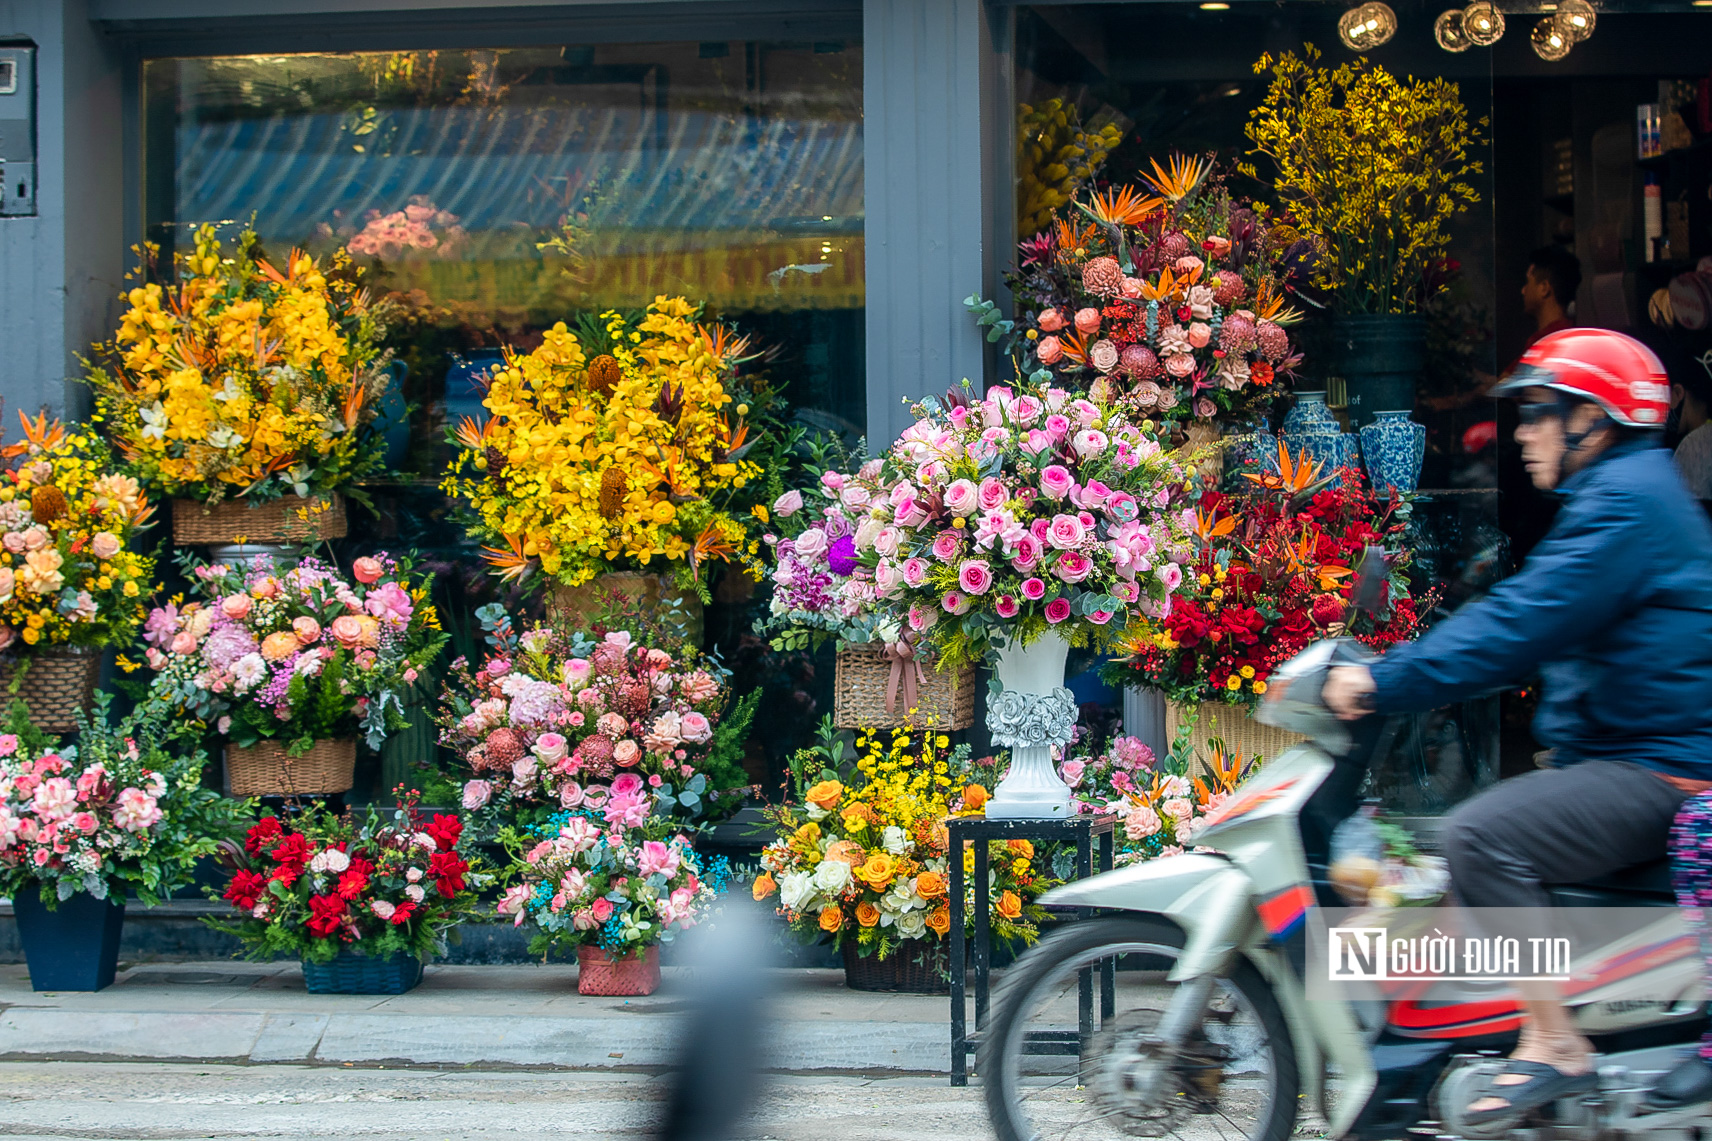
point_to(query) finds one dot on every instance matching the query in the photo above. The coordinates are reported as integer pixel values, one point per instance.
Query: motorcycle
(1217, 1033)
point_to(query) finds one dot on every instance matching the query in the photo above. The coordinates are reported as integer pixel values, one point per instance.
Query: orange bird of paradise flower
(1294, 476)
(509, 562)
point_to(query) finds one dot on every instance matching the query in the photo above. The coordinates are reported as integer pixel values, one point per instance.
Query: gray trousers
(1557, 826)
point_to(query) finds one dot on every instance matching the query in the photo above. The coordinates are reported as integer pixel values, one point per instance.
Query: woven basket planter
(57, 685)
(359, 974)
(578, 605)
(266, 769)
(864, 682)
(1199, 435)
(1234, 725)
(915, 966)
(600, 972)
(194, 524)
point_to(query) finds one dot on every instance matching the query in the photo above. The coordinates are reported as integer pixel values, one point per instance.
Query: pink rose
(1065, 531)
(832, 481)
(956, 602)
(696, 728)
(184, 642)
(914, 571)
(1006, 606)
(1026, 410)
(1055, 481)
(550, 747)
(962, 498)
(1122, 507)
(1025, 552)
(1036, 441)
(909, 513)
(1092, 494)
(1200, 335)
(367, 570)
(1099, 617)
(854, 495)
(887, 541)
(235, 606)
(105, 544)
(85, 822)
(1057, 610)
(626, 754)
(1178, 365)
(975, 576)
(810, 544)
(1057, 426)
(1087, 320)
(1049, 350)
(348, 629)
(308, 630)
(1087, 414)
(1071, 772)
(477, 793)
(788, 504)
(993, 494)
(1073, 566)
(1050, 320)
(1089, 442)
(1033, 589)
(922, 618)
(601, 909)
(945, 546)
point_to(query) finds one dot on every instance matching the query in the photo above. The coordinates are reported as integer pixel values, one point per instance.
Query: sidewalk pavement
(508, 1017)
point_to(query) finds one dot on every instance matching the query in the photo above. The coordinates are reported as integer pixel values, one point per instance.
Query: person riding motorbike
(1613, 609)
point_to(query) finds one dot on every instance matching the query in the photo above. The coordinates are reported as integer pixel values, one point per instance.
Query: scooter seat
(1640, 879)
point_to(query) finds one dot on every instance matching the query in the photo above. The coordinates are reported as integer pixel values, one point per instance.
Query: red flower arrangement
(319, 884)
(1272, 573)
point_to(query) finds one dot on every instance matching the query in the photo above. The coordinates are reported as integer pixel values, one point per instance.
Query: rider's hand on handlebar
(1349, 692)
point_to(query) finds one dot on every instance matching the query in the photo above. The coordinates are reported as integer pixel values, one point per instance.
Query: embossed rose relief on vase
(1031, 713)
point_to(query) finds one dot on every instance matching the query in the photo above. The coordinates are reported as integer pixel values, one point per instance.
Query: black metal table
(1082, 830)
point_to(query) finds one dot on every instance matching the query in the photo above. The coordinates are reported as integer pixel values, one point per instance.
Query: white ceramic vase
(1032, 713)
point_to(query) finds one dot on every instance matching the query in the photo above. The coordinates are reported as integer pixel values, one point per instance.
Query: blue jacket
(1613, 609)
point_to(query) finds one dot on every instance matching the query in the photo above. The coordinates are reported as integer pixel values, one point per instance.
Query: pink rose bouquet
(627, 726)
(123, 812)
(1028, 509)
(302, 655)
(588, 881)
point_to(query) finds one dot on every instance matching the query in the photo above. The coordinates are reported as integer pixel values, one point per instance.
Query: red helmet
(1613, 370)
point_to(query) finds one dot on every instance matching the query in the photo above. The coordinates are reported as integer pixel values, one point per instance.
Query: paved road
(146, 1102)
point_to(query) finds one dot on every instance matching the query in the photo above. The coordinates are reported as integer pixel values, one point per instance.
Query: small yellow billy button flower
(959, 522)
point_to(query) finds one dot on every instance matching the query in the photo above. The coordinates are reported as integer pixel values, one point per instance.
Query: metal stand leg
(959, 1016)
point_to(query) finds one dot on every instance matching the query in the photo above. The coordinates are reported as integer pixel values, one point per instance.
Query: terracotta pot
(600, 972)
(579, 605)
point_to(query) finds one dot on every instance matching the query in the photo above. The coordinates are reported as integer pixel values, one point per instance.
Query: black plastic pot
(73, 947)
(1380, 357)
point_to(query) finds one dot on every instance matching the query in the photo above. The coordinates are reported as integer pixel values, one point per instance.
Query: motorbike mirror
(1369, 582)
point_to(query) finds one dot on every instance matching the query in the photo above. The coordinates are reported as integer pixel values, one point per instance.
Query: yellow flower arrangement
(867, 858)
(1371, 168)
(241, 379)
(596, 462)
(69, 520)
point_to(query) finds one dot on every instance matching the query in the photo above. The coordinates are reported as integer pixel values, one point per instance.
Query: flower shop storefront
(850, 417)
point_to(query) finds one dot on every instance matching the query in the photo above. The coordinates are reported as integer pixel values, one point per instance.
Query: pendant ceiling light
(1483, 23)
(1449, 32)
(1575, 20)
(1549, 41)
(1367, 26)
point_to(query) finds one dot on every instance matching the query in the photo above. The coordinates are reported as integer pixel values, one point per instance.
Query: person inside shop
(1554, 275)
(1613, 609)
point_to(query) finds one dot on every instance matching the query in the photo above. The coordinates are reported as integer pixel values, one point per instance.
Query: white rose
(413, 875)
(832, 876)
(416, 891)
(868, 533)
(811, 544)
(912, 924)
(795, 889)
(894, 840)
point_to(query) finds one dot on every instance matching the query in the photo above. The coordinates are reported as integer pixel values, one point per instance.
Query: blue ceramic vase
(75, 946)
(1394, 447)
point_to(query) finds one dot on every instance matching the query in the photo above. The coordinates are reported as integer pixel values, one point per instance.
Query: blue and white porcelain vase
(1309, 409)
(1345, 452)
(1394, 447)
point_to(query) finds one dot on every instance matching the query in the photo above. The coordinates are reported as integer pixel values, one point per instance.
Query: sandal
(1544, 1086)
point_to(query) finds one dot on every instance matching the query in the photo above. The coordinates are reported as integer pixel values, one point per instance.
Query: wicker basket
(194, 524)
(578, 605)
(266, 769)
(915, 966)
(945, 699)
(1199, 435)
(56, 686)
(600, 972)
(359, 974)
(1234, 725)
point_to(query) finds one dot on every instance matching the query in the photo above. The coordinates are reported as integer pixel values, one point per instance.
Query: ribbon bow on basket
(906, 675)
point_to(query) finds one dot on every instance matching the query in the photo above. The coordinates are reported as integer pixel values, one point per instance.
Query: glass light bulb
(1575, 20)
(1483, 22)
(1367, 26)
(1449, 32)
(1549, 43)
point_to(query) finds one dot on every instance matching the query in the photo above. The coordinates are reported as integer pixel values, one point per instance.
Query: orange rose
(1022, 848)
(826, 794)
(1010, 905)
(867, 914)
(939, 921)
(348, 629)
(974, 798)
(765, 885)
(278, 647)
(930, 885)
(831, 919)
(877, 871)
(849, 851)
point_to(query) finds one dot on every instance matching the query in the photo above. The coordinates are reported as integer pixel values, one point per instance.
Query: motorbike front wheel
(1233, 1077)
